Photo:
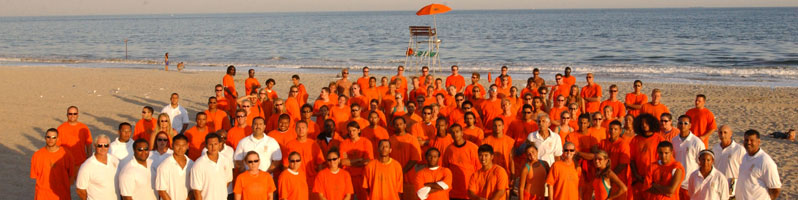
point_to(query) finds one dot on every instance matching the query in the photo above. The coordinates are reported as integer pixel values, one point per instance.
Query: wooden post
(125, 48)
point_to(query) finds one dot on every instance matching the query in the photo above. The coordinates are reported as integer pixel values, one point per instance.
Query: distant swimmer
(180, 66)
(166, 61)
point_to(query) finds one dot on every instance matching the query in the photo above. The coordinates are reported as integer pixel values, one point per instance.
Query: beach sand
(37, 97)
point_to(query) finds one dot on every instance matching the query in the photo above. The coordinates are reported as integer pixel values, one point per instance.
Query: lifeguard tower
(424, 45)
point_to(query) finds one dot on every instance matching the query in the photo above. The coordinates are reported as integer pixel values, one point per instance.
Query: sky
(124, 7)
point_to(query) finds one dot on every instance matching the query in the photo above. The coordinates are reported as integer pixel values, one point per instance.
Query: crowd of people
(419, 137)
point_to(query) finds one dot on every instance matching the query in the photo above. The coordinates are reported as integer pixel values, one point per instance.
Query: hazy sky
(112, 7)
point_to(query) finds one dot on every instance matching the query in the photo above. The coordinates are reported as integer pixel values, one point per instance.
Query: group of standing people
(440, 139)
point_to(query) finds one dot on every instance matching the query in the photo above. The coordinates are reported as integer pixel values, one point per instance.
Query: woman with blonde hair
(164, 125)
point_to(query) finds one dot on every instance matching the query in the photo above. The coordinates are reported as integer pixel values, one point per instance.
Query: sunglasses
(665, 120)
(684, 123)
(50, 137)
(613, 90)
(103, 145)
(331, 159)
(218, 90)
(162, 140)
(569, 150)
(598, 119)
(241, 116)
(278, 104)
(427, 113)
(163, 120)
(566, 117)
(252, 161)
(355, 110)
(246, 106)
(72, 113)
(294, 91)
(294, 161)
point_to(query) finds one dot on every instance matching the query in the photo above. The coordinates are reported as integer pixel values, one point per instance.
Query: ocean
(730, 46)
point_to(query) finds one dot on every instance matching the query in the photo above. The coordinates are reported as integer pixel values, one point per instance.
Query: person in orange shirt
(251, 83)
(608, 115)
(302, 97)
(52, 168)
(383, 88)
(328, 137)
(665, 176)
(374, 131)
(308, 149)
(506, 114)
(442, 140)
(217, 119)
(417, 91)
(560, 88)
(504, 90)
(455, 79)
(628, 131)
(618, 108)
(249, 110)
(635, 100)
(531, 87)
(283, 134)
(363, 81)
(76, 137)
(503, 73)
(655, 108)
(254, 183)
(229, 84)
(643, 152)
(306, 114)
(425, 129)
(564, 173)
(324, 99)
(196, 135)
(401, 85)
(241, 130)
(468, 91)
(145, 125)
(605, 182)
(460, 157)
(503, 146)
(333, 183)
(520, 129)
(433, 182)
(405, 147)
(383, 178)
(491, 106)
(423, 76)
(489, 182)
(341, 112)
(222, 102)
(567, 78)
(292, 103)
(668, 132)
(293, 184)
(565, 128)
(702, 120)
(472, 132)
(533, 175)
(371, 90)
(356, 153)
(591, 94)
(596, 130)
(355, 116)
(556, 111)
(357, 96)
(619, 156)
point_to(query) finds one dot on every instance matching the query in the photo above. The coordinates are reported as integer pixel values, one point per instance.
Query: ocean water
(741, 46)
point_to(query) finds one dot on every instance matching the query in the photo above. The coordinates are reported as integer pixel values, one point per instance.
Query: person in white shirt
(172, 177)
(160, 152)
(728, 155)
(261, 143)
(707, 182)
(97, 175)
(547, 141)
(134, 179)
(227, 151)
(177, 114)
(210, 174)
(121, 148)
(759, 176)
(686, 149)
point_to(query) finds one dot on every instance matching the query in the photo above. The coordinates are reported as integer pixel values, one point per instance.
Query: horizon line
(364, 11)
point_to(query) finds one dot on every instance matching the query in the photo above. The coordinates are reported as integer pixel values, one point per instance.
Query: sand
(37, 97)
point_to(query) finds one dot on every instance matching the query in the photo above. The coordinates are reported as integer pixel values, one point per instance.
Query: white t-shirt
(227, 152)
(122, 151)
(173, 179)
(686, 152)
(135, 181)
(267, 147)
(178, 116)
(714, 186)
(757, 174)
(727, 160)
(211, 177)
(547, 148)
(98, 179)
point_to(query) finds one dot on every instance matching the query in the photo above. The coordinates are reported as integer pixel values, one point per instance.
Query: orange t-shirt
(669, 135)
(311, 155)
(457, 80)
(643, 152)
(569, 80)
(334, 186)
(519, 130)
(498, 80)
(319, 102)
(52, 171)
(475, 134)
(254, 186)
(533, 92)
(556, 113)
(469, 91)
(440, 143)
(325, 145)
(598, 133)
(196, 139)
(655, 110)
(485, 182)
(217, 120)
(302, 96)
(502, 150)
(562, 89)
(639, 99)
(143, 129)
(230, 84)
(251, 83)
(662, 175)
(590, 91)
(235, 134)
(363, 82)
(563, 178)
(362, 148)
(618, 151)
(701, 121)
(363, 123)
(374, 134)
(293, 186)
(463, 161)
(75, 139)
(282, 137)
(383, 181)
(292, 106)
(618, 109)
(428, 175)
(405, 148)
(361, 100)
(340, 115)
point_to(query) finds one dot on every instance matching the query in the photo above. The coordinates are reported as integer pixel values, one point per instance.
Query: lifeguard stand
(422, 49)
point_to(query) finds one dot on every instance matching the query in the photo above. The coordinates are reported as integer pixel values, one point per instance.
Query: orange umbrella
(433, 9)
